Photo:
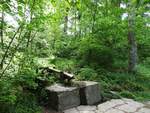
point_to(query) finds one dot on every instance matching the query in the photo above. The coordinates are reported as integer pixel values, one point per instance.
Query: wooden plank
(63, 75)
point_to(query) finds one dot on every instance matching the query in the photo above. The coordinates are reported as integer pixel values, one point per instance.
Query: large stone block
(61, 97)
(89, 92)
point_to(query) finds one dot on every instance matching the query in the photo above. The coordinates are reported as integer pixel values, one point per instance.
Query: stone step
(89, 92)
(62, 97)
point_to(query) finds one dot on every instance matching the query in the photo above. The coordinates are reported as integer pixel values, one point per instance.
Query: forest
(107, 41)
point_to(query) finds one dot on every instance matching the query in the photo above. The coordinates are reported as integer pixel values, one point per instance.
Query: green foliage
(7, 96)
(15, 99)
(127, 94)
(143, 69)
(127, 85)
(17, 92)
(67, 49)
(64, 64)
(27, 79)
(84, 37)
(27, 102)
(87, 74)
(94, 54)
(142, 96)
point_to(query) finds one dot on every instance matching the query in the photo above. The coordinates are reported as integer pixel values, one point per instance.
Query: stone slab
(89, 92)
(87, 112)
(144, 110)
(72, 110)
(127, 108)
(61, 97)
(114, 111)
(124, 105)
(86, 108)
(110, 104)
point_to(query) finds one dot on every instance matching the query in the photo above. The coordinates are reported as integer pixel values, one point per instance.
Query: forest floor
(112, 106)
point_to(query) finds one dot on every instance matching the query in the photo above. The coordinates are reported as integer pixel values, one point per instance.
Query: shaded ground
(112, 106)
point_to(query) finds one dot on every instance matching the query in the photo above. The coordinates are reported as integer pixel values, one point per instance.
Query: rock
(61, 97)
(135, 104)
(86, 108)
(127, 108)
(113, 106)
(105, 106)
(86, 112)
(114, 111)
(147, 104)
(117, 102)
(72, 110)
(144, 110)
(110, 104)
(89, 92)
(130, 105)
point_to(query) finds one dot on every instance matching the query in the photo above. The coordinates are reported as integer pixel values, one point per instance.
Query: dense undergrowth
(129, 85)
(23, 93)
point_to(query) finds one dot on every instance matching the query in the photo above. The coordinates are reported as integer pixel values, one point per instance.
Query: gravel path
(112, 106)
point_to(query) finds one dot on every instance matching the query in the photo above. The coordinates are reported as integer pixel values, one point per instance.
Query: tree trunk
(2, 35)
(66, 21)
(2, 31)
(66, 24)
(132, 44)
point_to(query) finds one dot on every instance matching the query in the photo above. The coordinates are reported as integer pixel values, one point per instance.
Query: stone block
(61, 97)
(89, 92)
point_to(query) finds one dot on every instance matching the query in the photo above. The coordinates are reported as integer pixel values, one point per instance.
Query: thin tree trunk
(94, 12)
(2, 28)
(28, 38)
(79, 20)
(32, 38)
(31, 17)
(7, 50)
(13, 54)
(132, 44)
(75, 22)
(66, 21)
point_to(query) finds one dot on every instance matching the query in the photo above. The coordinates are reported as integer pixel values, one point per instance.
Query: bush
(13, 99)
(17, 92)
(65, 64)
(7, 96)
(67, 49)
(143, 70)
(87, 74)
(127, 94)
(27, 103)
(94, 54)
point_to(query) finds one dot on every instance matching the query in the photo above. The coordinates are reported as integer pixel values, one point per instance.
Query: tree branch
(9, 45)
(3, 72)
